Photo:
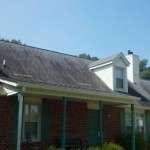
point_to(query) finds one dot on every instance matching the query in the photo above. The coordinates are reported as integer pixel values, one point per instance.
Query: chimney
(133, 68)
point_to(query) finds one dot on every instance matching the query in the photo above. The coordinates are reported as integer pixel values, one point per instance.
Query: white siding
(133, 68)
(106, 75)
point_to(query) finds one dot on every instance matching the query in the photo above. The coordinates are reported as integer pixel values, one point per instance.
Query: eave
(81, 94)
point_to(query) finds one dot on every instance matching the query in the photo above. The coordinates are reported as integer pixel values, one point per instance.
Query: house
(51, 98)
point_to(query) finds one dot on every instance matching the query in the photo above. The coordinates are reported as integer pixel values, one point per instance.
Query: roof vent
(130, 52)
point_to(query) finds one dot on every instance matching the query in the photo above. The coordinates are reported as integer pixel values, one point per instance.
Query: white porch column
(19, 126)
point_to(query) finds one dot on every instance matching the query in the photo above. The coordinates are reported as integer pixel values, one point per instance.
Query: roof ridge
(107, 58)
(44, 49)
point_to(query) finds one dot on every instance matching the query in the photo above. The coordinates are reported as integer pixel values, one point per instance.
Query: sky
(96, 27)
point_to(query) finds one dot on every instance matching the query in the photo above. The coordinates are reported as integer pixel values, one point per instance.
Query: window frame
(123, 78)
(39, 121)
(137, 113)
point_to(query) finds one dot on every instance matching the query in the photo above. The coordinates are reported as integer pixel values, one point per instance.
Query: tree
(16, 41)
(12, 41)
(143, 65)
(145, 74)
(144, 69)
(87, 56)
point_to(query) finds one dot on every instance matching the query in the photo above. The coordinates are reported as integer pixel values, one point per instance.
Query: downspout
(19, 126)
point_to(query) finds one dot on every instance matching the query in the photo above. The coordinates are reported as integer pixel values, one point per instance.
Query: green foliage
(87, 56)
(143, 65)
(144, 69)
(12, 41)
(112, 146)
(125, 141)
(53, 148)
(94, 148)
(109, 146)
(145, 74)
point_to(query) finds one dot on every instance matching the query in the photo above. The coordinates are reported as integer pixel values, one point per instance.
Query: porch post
(133, 126)
(19, 126)
(101, 123)
(64, 123)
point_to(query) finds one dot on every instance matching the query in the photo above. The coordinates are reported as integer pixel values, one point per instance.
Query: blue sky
(96, 27)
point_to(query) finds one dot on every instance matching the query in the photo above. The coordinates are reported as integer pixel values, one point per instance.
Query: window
(32, 118)
(139, 120)
(119, 78)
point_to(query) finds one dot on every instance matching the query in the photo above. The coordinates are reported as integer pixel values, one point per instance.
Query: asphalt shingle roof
(35, 65)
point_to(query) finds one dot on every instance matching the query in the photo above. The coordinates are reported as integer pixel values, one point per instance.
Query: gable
(118, 61)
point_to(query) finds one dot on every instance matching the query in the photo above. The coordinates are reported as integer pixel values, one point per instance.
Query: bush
(109, 146)
(125, 141)
(112, 146)
(53, 148)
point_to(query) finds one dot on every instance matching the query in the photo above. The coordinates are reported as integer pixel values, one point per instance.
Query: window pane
(119, 78)
(31, 129)
(32, 116)
(119, 83)
(139, 120)
(34, 113)
(119, 73)
(26, 109)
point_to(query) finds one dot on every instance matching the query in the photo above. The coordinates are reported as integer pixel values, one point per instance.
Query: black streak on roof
(35, 65)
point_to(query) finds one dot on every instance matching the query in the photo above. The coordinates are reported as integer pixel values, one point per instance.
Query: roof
(108, 59)
(146, 85)
(34, 65)
(142, 89)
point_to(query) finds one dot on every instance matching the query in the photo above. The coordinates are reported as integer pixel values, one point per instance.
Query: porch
(68, 119)
(68, 122)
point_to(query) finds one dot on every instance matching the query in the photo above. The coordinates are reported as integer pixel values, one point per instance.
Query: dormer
(112, 71)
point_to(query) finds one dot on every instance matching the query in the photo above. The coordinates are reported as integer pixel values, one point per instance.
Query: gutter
(31, 88)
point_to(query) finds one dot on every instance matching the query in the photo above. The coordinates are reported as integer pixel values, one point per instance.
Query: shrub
(53, 148)
(112, 146)
(125, 141)
(94, 148)
(109, 146)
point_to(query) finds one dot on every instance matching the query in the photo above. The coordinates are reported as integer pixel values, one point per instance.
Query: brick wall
(112, 123)
(7, 123)
(76, 121)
